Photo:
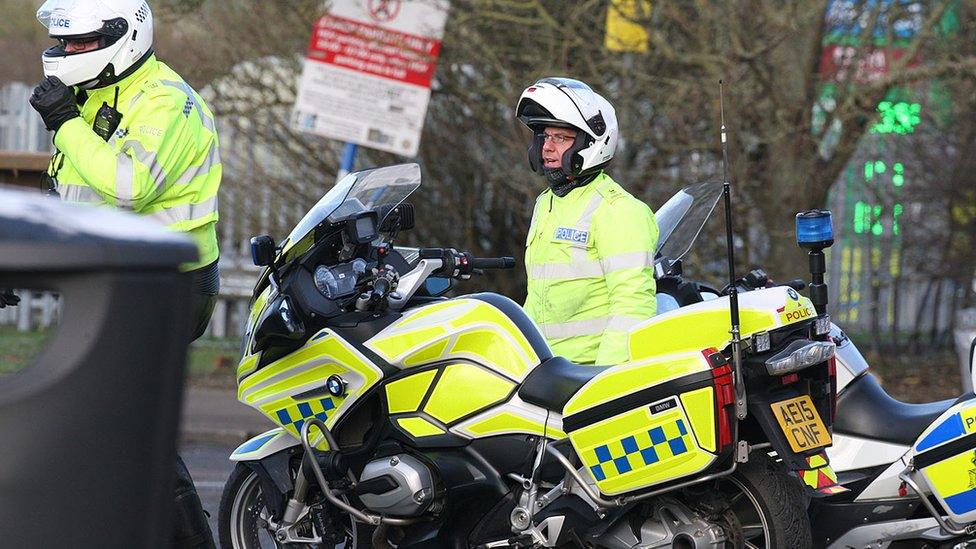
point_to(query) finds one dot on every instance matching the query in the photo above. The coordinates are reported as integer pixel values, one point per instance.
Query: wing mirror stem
(263, 254)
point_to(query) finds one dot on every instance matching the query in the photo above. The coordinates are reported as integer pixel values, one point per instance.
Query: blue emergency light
(814, 229)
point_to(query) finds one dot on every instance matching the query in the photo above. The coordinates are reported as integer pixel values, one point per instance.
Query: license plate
(801, 423)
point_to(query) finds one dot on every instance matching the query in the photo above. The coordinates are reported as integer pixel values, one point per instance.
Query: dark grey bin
(88, 430)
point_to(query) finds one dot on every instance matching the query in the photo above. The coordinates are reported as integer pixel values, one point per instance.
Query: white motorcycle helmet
(568, 103)
(124, 29)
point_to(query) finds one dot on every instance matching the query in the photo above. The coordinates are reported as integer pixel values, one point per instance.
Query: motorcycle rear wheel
(767, 508)
(243, 510)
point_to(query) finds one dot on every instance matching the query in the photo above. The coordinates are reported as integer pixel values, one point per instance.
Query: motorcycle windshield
(379, 189)
(682, 217)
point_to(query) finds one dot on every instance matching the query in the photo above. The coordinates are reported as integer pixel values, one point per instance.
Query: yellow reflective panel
(405, 395)
(419, 427)
(694, 332)
(272, 389)
(636, 450)
(508, 423)
(247, 365)
(428, 354)
(700, 407)
(464, 389)
(490, 347)
(259, 305)
(951, 476)
(421, 315)
(328, 353)
(391, 347)
(623, 380)
(486, 314)
(796, 310)
(968, 417)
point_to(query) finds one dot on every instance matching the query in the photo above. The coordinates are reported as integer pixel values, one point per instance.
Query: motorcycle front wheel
(244, 518)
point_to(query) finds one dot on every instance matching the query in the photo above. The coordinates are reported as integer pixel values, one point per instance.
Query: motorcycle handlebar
(492, 262)
(464, 262)
(431, 253)
(797, 284)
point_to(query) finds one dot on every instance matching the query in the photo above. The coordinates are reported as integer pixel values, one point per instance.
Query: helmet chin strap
(108, 76)
(561, 183)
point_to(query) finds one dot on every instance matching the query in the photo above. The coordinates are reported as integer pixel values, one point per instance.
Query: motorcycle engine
(397, 486)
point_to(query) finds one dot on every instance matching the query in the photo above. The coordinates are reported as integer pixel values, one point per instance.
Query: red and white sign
(837, 62)
(368, 72)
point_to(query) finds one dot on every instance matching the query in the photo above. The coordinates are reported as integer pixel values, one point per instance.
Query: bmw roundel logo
(336, 386)
(792, 293)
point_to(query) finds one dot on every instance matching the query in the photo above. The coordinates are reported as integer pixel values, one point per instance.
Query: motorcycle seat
(865, 410)
(552, 383)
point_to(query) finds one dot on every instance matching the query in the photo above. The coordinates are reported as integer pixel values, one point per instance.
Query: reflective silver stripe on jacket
(591, 268)
(125, 173)
(589, 327)
(185, 212)
(79, 193)
(213, 157)
(578, 255)
(628, 260)
(593, 326)
(623, 323)
(185, 88)
(574, 270)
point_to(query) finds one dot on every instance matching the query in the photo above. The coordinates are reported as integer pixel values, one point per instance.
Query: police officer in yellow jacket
(590, 248)
(130, 133)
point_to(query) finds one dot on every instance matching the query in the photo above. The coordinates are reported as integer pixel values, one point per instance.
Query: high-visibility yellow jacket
(590, 262)
(162, 161)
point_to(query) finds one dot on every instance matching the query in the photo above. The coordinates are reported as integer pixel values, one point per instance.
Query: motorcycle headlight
(799, 355)
(340, 280)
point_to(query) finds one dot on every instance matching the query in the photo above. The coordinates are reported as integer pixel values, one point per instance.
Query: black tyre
(763, 508)
(243, 518)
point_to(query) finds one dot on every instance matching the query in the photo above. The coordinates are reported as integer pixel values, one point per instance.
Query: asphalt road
(209, 466)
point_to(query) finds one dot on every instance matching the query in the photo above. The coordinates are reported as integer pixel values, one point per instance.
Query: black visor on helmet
(110, 32)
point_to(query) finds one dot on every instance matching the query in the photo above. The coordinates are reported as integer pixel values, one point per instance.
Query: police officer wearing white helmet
(590, 249)
(130, 133)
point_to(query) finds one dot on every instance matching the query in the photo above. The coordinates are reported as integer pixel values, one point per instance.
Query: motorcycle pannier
(945, 459)
(654, 422)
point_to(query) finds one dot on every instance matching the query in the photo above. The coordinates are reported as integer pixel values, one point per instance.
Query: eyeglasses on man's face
(555, 138)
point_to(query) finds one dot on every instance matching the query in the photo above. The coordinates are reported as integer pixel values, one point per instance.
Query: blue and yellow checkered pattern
(297, 414)
(641, 449)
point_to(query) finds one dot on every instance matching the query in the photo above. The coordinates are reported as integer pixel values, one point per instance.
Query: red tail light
(722, 380)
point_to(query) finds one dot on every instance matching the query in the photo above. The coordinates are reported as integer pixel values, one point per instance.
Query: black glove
(55, 102)
(7, 297)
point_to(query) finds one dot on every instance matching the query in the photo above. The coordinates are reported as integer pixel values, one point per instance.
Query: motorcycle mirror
(262, 250)
(436, 286)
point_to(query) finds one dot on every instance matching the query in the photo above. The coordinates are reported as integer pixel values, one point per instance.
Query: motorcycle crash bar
(374, 520)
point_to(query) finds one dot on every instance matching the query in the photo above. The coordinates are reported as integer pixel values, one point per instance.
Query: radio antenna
(740, 389)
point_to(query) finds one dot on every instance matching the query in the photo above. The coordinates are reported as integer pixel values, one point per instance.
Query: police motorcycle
(411, 420)
(909, 470)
